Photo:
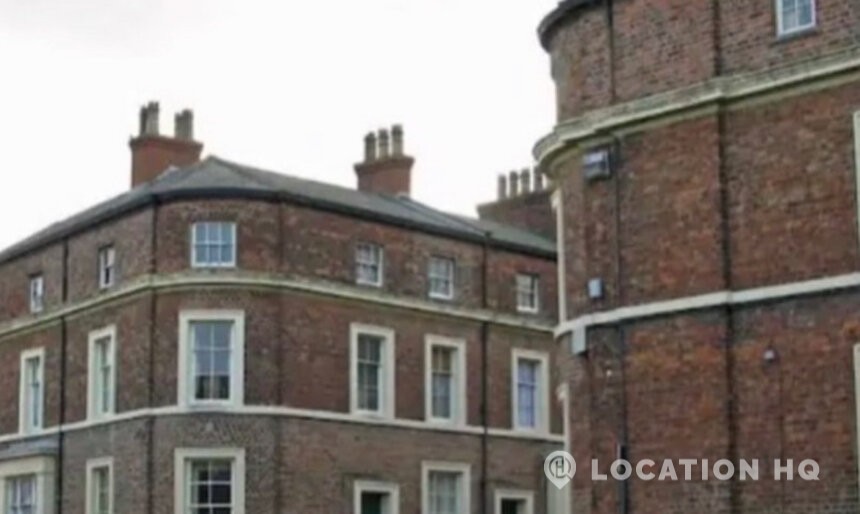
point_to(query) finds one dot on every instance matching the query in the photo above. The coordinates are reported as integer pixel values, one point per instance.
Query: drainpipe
(153, 313)
(61, 418)
(485, 335)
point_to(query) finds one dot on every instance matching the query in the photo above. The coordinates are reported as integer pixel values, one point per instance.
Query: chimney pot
(184, 125)
(370, 147)
(526, 181)
(397, 140)
(503, 186)
(149, 119)
(384, 144)
(514, 182)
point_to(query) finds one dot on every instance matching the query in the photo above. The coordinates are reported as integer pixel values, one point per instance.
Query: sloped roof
(214, 177)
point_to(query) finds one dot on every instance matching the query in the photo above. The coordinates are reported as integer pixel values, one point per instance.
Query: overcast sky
(285, 85)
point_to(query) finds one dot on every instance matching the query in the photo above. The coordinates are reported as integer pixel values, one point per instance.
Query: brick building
(223, 339)
(707, 154)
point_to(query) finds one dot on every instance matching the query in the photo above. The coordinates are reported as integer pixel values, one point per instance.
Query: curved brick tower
(705, 156)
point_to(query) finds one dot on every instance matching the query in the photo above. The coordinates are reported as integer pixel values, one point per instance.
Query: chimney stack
(523, 201)
(152, 153)
(386, 168)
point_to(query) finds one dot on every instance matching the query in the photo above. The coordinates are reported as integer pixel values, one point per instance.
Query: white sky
(287, 85)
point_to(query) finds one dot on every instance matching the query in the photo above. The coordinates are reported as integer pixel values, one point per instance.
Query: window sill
(440, 298)
(372, 414)
(794, 35)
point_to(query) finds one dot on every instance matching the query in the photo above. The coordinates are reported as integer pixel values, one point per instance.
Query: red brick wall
(582, 64)
(660, 45)
(15, 281)
(131, 237)
(679, 384)
(296, 354)
(790, 165)
(749, 41)
(529, 211)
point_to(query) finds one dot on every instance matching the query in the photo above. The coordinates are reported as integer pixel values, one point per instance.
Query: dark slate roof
(215, 178)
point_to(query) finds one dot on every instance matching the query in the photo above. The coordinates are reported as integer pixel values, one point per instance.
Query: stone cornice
(285, 412)
(191, 281)
(717, 299)
(722, 89)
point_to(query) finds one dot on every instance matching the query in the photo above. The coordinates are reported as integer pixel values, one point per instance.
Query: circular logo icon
(560, 467)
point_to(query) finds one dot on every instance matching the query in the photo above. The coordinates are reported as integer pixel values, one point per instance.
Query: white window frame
(42, 468)
(465, 471)
(459, 408)
(183, 457)
(515, 494)
(185, 388)
(94, 384)
(36, 293)
(542, 416)
(107, 260)
(367, 486)
(380, 279)
(388, 371)
(94, 465)
(451, 278)
(210, 265)
(535, 280)
(781, 30)
(25, 412)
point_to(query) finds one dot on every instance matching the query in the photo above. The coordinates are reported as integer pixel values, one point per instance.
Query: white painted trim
(388, 371)
(191, 280)
(452, 278)
(711, 300)
(460, 409)
(557, 201)
(24, 413)
(515, 494)
(287, 412)
(182, 457)
(465, 471)
(542, 417)
(381, 279)
(781, 31)
(562, 396)
(524, 309)
(857, 403)
(103, 256)
(857, 168)
(43, 468)
(185, 375)
(36, 283)
(732, 87)
(92, 466)
(93, 395)
(389, 488)
(219, 265)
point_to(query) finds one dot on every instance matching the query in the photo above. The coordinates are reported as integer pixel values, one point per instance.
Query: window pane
(212, 359)
(214, 244)
(444, 493)
(210, 489)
